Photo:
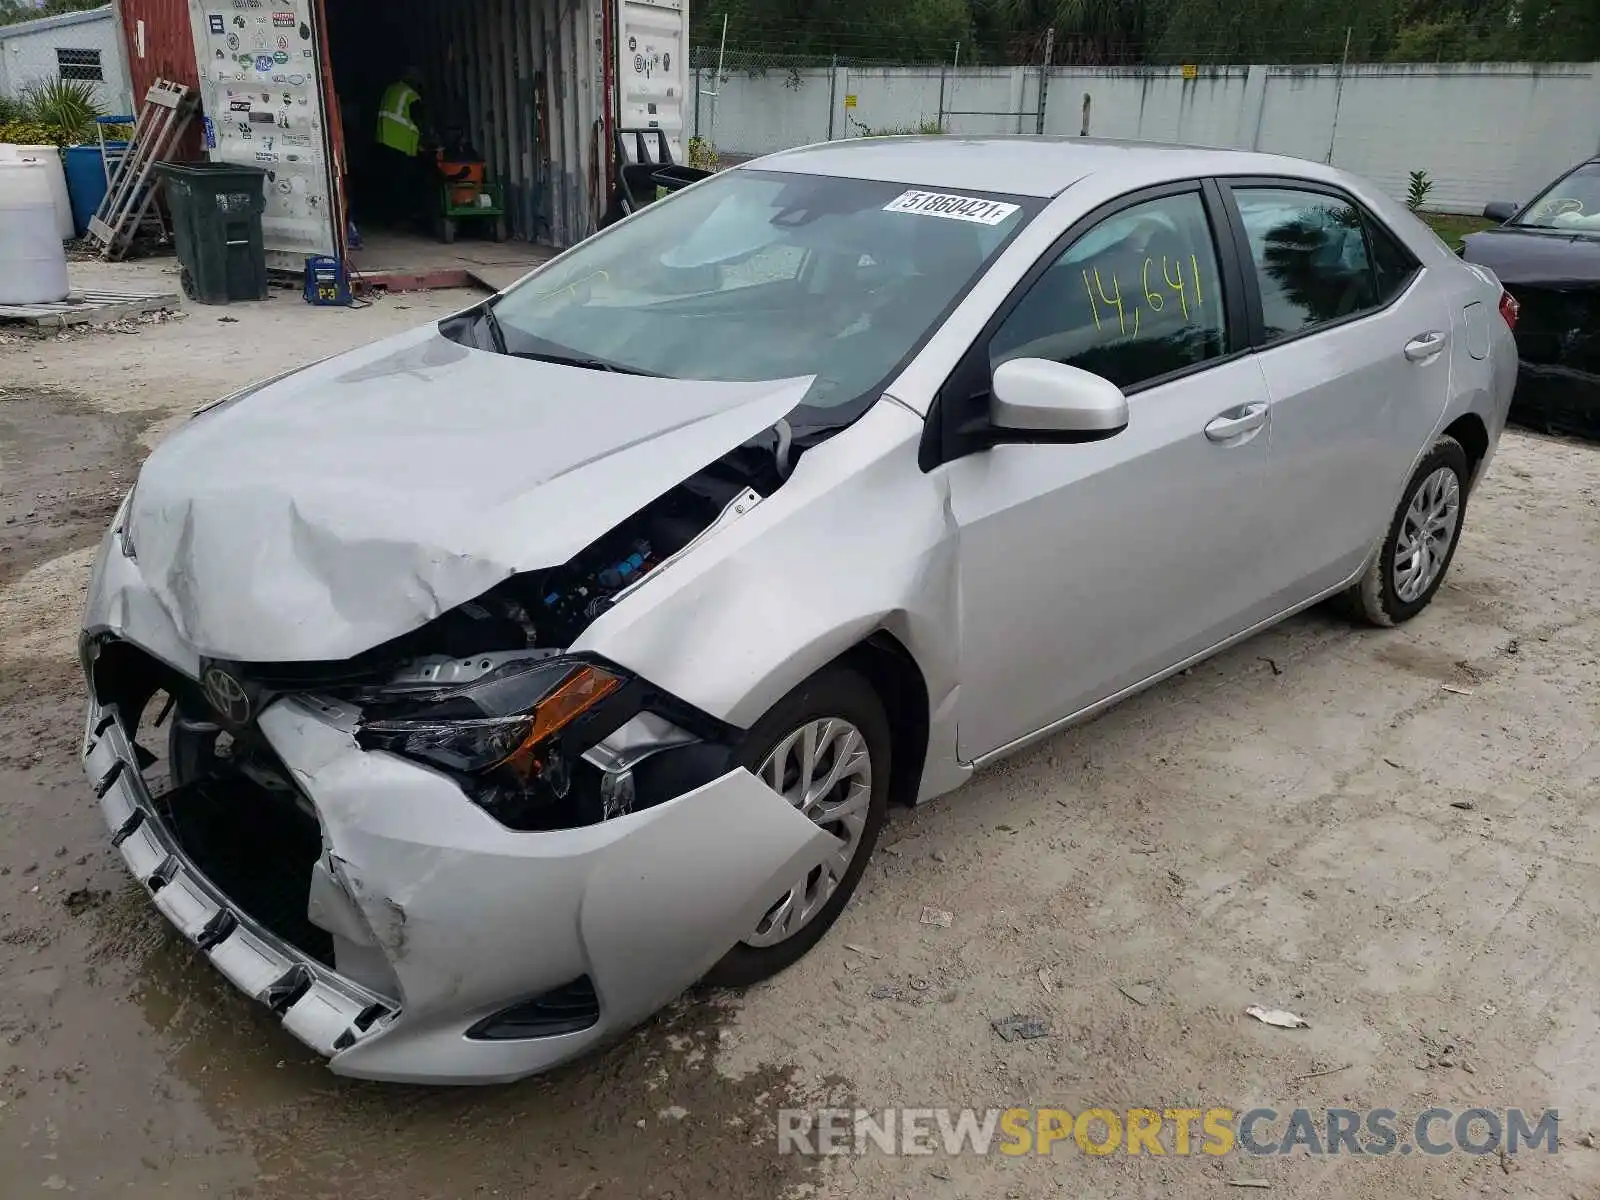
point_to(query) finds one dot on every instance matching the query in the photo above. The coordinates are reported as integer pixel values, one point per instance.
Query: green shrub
(926, 127)
(66, 105)
(702, 154)
(1418, 187)
(12, 109)
(30, 133)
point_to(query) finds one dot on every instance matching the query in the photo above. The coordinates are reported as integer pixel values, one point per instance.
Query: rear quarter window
(1392, 264)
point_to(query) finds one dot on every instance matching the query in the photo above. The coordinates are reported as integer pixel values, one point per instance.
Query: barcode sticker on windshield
(953, 208)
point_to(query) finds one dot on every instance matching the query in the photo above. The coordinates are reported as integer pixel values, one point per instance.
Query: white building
(75, 45)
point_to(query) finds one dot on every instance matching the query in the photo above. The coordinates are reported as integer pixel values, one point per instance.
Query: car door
(1087, 568)
(1354, 338)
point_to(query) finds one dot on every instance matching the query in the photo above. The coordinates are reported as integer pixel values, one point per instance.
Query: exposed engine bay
(550, 609)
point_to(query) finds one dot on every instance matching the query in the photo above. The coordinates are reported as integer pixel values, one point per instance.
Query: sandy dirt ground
(1394, 834)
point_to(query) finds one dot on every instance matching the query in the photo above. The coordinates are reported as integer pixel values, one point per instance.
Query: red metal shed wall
(168, 53)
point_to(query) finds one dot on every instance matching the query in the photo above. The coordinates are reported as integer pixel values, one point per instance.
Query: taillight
(1509, 309)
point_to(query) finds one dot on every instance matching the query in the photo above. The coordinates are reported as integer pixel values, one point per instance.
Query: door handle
(1237, 421)
(1425, 345)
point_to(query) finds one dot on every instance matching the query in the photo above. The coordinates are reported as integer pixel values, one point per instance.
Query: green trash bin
(216, 222)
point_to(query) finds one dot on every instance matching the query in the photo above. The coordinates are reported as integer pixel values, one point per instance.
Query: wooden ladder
(165, 115)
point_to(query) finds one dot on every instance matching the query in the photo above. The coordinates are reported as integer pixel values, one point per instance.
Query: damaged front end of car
(465, 854)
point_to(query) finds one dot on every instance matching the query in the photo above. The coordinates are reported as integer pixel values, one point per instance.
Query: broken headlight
(504, 727)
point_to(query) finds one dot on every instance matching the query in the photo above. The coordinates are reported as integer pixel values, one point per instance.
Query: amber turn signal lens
(578, 693)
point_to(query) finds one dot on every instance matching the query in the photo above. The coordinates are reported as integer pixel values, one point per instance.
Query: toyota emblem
(227, 696)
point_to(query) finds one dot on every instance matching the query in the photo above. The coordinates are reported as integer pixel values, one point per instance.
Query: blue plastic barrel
(86, 181)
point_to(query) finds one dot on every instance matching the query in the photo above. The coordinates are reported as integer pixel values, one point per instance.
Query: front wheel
(825, 748)
(1422, 539)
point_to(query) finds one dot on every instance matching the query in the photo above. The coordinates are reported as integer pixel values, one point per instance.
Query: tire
(844, 696)
(1379, 598)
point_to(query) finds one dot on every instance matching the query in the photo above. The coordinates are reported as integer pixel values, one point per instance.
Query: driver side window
(1136, 297)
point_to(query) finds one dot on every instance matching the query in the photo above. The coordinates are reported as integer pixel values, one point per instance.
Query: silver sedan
(466, 697)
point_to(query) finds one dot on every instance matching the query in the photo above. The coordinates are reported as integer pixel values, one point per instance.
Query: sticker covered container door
(261, 89)
(653, 68)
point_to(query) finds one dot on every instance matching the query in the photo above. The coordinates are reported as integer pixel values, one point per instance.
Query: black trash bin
(216, 221)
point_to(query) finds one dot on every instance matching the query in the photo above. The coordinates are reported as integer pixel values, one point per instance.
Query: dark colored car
(1547, 254)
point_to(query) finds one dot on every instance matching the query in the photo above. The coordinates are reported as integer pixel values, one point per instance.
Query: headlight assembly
(544, 739)
(505, 726)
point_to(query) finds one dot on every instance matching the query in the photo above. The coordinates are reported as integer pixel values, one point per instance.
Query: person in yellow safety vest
(403, 177)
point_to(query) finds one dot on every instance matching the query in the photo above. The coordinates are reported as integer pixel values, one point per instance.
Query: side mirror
(1499, 211)
(1055, 402)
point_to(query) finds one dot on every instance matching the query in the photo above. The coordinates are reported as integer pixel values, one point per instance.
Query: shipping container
(538, 88)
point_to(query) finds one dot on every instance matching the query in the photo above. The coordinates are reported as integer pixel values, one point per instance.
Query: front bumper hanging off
(322, 1009)
(442, 918)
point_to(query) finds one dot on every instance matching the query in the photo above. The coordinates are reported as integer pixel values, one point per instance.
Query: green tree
(12, 11)
(1137, 32)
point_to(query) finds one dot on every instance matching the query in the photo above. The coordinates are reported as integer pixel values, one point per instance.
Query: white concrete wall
(1498, 131)
(28, 54)
(1156, 105)
(1482, 131)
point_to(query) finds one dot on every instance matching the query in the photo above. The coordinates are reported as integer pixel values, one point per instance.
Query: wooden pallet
(89, 308)
(162, 120)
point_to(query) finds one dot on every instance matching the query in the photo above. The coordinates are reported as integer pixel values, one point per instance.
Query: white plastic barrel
(51, 158)
(33, 262)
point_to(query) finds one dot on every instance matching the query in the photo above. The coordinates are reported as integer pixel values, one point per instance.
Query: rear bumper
(447, 918)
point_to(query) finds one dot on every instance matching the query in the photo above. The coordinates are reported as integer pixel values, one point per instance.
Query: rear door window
(1309, 251)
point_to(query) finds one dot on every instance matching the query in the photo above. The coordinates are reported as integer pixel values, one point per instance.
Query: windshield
(758, 275)
(1570, 203)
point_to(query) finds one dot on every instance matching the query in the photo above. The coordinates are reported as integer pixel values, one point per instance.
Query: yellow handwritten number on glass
(1171, 273)
(1112, 301)
(1154, 299)
(1176, 284)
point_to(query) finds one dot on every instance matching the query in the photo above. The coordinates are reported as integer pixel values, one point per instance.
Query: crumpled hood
(362, 497)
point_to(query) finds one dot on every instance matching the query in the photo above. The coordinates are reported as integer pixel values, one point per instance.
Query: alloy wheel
(824, 769)
(1426, 534)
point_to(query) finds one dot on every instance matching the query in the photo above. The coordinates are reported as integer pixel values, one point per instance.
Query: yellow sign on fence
(1190, 71)
(849, 100)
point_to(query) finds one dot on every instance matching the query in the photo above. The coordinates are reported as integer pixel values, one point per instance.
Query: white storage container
(33, 262)
(51, 158)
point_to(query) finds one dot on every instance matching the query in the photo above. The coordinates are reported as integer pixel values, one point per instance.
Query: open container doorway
(395, 208)
(536, 88)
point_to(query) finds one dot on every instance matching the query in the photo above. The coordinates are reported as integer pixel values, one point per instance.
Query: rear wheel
(825, 748)
(1421, 542)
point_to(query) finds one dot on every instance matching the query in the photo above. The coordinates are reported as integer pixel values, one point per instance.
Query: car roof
(1042, 166)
